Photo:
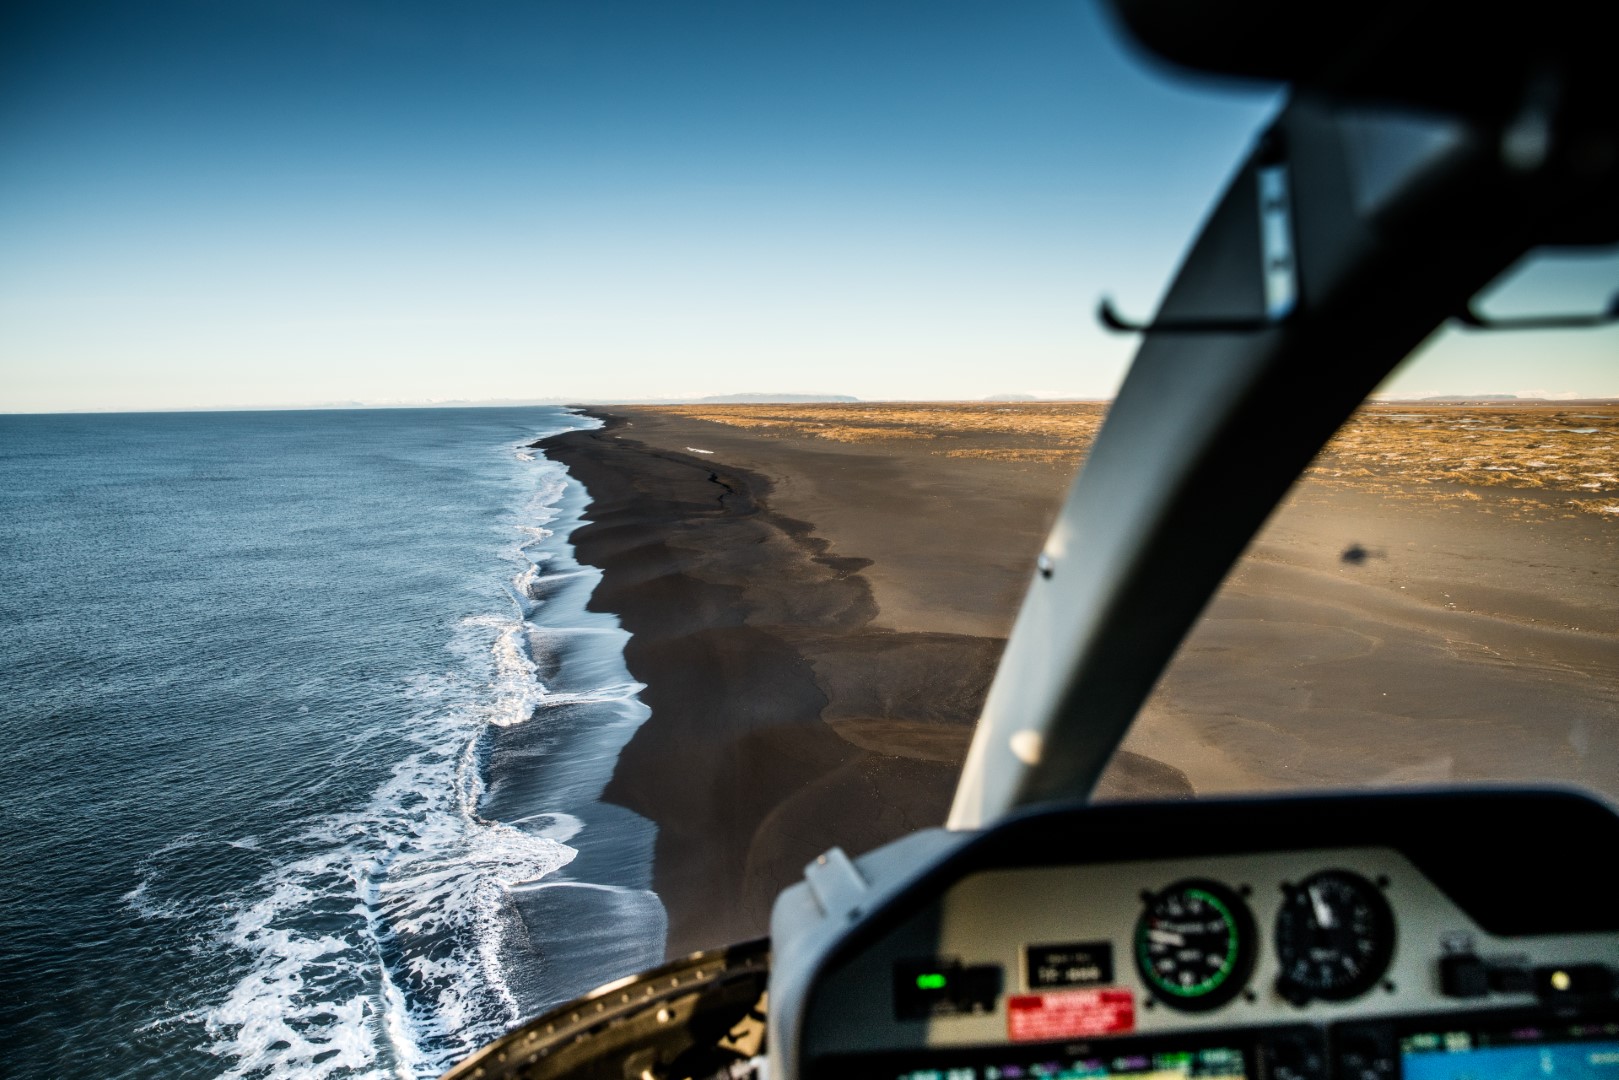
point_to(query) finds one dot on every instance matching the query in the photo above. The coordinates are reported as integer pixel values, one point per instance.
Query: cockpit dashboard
(1424, 935)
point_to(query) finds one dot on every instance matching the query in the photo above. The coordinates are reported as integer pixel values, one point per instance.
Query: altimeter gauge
(1195, 944)
(1334, 937)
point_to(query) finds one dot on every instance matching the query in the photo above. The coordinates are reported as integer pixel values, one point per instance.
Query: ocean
(306, 721)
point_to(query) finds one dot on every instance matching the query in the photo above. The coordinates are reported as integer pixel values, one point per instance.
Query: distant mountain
(1470, 397)
(1011, 397)
(770, 399)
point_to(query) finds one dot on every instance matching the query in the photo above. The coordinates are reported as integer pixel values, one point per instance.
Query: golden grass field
(1530, 461)
(1047, 431)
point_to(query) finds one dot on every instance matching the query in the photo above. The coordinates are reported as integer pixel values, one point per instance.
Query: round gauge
(1195, 945)
(1334, 937)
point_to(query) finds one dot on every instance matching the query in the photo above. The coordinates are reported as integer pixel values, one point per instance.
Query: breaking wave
(382, 940)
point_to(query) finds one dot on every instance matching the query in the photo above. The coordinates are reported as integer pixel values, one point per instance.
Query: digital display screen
(1210, 1063)
(1528, 1052)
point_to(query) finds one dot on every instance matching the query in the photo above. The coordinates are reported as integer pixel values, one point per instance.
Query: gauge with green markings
(1195, 944)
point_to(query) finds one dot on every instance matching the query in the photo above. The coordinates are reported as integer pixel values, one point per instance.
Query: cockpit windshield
(1437, 600)
(576, 464)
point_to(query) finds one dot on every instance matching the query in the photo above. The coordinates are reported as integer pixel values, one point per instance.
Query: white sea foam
(140, 899)
(391, 927)
(146, 907)
(522, 589)
(376, 946)
(536, 534)
(558, 826)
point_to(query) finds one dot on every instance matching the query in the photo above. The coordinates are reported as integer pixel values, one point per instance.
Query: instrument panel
(1365, 960)
(1058, 952)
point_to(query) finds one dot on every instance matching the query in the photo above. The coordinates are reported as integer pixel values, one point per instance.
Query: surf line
(393, 932)
(597, 918)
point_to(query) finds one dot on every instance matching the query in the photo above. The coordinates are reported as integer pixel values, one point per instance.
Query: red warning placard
(1069, 1014)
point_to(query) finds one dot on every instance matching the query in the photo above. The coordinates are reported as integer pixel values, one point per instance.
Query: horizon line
(718, 400)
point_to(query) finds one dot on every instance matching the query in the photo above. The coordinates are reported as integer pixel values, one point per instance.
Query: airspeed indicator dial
(1195, 944)
(1334, 937)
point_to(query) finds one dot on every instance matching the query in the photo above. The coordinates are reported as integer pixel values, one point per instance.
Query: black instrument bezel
(1243, 929)
(1385, 934)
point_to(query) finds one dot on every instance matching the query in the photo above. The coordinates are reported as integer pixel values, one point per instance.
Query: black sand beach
(817, 621)
(789, 714)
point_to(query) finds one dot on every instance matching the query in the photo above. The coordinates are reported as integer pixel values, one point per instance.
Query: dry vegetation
(1531, 461)
(1537, 460)
(1020, 432)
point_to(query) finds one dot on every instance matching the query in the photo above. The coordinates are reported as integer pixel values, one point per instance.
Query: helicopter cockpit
(1423, 934)
(1414, 935)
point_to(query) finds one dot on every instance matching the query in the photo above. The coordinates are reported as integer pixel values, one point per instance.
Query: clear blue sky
(285, 201)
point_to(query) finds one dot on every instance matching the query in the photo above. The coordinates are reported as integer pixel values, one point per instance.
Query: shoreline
(734, 755)
(542, 771)
(818, 596)
(788, 714)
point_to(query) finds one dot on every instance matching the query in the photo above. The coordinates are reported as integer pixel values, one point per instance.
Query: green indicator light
(930, 982)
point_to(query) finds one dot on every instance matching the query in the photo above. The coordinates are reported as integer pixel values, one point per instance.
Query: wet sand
(817, 620)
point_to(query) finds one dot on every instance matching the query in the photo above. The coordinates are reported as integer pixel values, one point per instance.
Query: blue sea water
(305, 723)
